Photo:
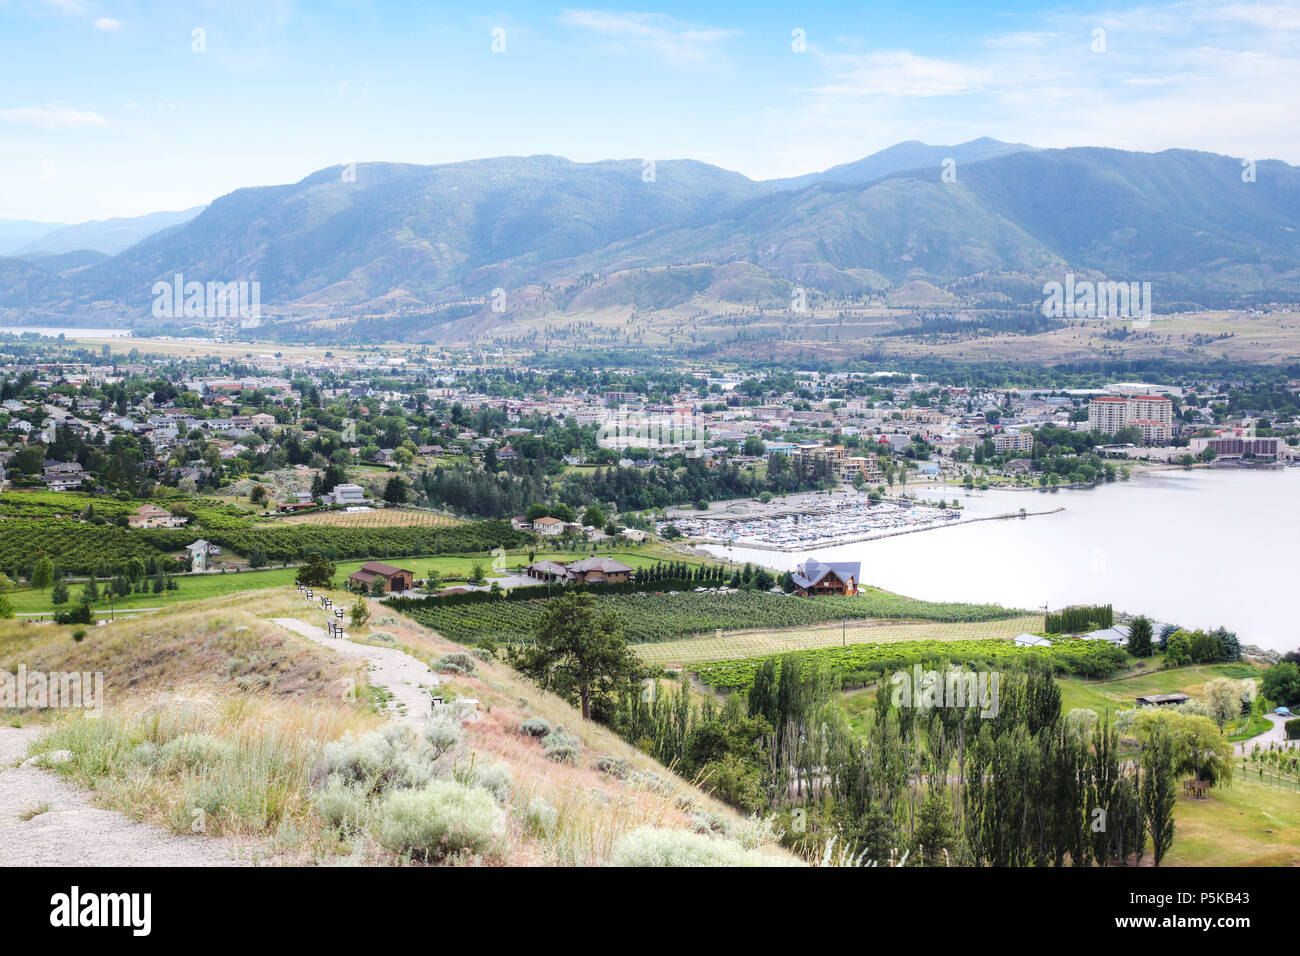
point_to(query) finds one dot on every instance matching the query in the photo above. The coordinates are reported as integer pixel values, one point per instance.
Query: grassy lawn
(191, 588)
(1119, 694)
(760, 643)
(1249, 823)
(449, 566)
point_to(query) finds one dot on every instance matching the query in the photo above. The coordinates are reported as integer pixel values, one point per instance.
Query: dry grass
(734, 645)
(243, 744)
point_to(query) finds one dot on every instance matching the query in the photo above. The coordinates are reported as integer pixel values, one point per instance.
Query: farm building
(395, 579)
(151, 516)
(1162, 700)
(814, 577)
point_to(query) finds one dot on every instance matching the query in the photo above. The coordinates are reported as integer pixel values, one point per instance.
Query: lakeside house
(395, 579)
(814, 577)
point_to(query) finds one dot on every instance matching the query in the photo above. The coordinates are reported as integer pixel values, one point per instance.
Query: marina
(842, 521)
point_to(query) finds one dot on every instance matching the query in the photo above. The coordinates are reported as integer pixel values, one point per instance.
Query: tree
(1223, 696)
(594, 518)
(258, 495)
(1157, 792)
(1178, 649)
(360, 613)
(1139, 637)
(576, 653)
(60, 593)
(396, 491)
(43, 574)
(6, 607)
(1282, 683)
(317, 572)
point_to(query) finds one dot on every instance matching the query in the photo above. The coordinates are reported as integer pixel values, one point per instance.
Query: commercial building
(1239, 447)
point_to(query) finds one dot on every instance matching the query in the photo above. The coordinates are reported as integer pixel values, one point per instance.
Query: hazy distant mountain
(587, 236)
(900, 157)
(109, 236)
(17, 234)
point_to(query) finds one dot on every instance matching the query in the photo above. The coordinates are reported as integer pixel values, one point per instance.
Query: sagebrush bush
(441, 818)
(614, 766)
(540, 818)
(536, 727)
(380, 761)
(342, 806)
(194, 752)
(457, 662)
(561, 746)
(495, 778)
(650, 846)
(649, 780)
(442, 732)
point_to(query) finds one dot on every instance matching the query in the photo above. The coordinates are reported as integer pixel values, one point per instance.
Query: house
(1117, 635)
(347, 494)
(395, 579)
(586, 571)
(199, 553)
(635, 534)
(521, 524)
(62, 475)
(1162, 700)
(814, 577)
(151, 516)
(385, 456)
(548, 526)
(1032, 640)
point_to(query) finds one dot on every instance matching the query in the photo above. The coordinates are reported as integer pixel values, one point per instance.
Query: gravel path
(72, 832)
(1274, 735)
(407, 679)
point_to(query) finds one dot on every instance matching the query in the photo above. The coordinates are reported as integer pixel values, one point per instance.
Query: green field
(1119, 694)
(1250, 823)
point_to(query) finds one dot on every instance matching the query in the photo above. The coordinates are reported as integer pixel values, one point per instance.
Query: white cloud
(674, 40)
(901, 73)
(52, 118)
(107, 24)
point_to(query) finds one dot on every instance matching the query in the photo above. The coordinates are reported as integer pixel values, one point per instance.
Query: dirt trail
(73, 832)
(407, 679)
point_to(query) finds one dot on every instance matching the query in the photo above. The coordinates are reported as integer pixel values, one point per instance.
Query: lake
(1197, 548)
(54, 332)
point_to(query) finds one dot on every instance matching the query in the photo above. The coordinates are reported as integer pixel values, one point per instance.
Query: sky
(123, 107)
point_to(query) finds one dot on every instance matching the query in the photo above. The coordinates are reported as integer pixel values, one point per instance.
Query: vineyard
(79, 547)
(860, 664)
(377, 518)
(659, 617)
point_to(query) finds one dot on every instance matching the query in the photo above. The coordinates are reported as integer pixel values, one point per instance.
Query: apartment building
(1152, 415)
(1004, 442)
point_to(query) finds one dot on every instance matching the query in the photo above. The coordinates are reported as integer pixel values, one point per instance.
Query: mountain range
(984, 223)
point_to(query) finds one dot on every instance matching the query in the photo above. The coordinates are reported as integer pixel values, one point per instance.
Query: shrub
(380, 761)
(649, 846)
(441, 818)
(540, 818)
(1293, 729)
(536, 727)
(79, 635)
(442, 733)
(457, 662)
(561, 746)
(614, 766)
(194, 752)
(495, 778)
(343, 807)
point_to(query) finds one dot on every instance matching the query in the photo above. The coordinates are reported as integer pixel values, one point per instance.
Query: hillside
(212, 704)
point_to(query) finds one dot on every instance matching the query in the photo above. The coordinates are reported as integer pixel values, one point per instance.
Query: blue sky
(107, 109)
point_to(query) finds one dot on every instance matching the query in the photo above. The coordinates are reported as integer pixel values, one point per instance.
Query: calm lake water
(1198, 548)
